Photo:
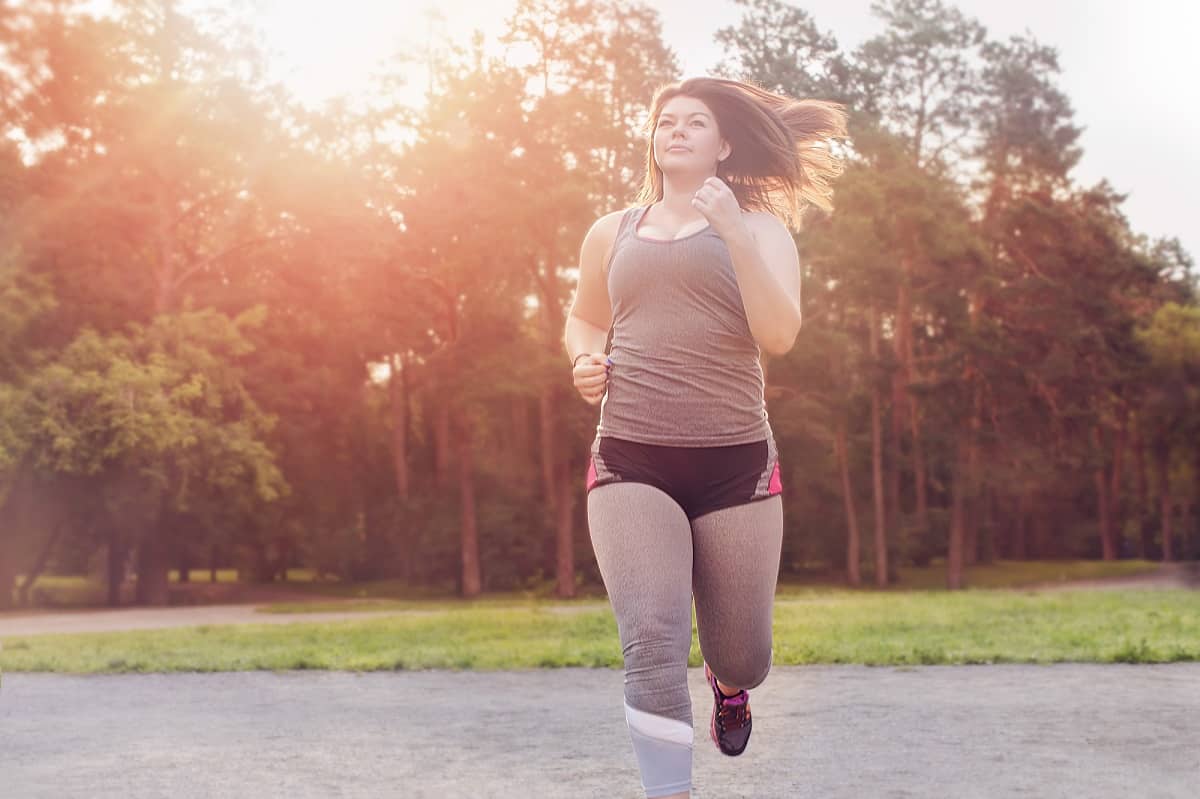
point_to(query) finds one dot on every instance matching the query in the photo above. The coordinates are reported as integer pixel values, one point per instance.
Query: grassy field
(1000, 575)
(61, 592)
(76, 592)
(811, 626)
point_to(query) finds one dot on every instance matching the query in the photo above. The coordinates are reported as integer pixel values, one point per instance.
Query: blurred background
(282, 286)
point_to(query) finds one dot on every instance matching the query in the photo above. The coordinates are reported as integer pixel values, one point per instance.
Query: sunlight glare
(333, 49)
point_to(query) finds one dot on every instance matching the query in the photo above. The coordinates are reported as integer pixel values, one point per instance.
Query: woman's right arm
(590, 316)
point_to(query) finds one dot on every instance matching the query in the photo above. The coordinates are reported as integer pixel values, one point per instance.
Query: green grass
(378, 595)
(1021, 573)
(817, 626)
(497, 601)
(74, 592)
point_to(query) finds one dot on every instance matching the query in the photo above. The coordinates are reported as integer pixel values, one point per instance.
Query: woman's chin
(679, 164)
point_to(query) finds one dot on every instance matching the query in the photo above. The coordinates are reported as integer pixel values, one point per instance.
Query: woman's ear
(725, 151)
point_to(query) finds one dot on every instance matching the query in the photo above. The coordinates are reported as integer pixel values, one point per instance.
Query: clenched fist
(591, 376)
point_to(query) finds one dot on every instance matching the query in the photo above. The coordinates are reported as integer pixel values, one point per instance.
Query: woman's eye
(697, 122)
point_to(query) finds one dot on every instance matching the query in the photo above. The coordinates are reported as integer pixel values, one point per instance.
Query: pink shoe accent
(776, 484)
(591, 473)
(720, 701)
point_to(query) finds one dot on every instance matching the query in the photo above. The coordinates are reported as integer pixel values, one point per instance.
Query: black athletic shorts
(700, 479)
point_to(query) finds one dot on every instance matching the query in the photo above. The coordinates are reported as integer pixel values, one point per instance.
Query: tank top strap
(638, 213)
(629, 221)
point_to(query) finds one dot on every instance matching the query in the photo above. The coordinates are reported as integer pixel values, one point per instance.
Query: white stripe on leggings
(659, 727)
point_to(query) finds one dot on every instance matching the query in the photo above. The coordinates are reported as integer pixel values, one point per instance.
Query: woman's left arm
(765, 261)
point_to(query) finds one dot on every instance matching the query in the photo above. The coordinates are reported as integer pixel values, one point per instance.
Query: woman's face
(686, 139)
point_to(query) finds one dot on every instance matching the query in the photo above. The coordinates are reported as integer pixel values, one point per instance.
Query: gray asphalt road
(1066, 730)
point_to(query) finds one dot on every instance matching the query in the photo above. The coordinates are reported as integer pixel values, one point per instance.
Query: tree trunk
(472, 580)
(1100, 478)
(548, 445)
(1145, 512)
(442, 444)
(972, 500)
(42, 559)
(1018, 550)
(565, 540)
(1117, 525)
(918, 449)
(987, 520)
(918, 466)
(1041, 528)
(853, 576)
(262, 559)
(900, 400)
(1185, 529)
(398, 400)
(285, 555)
(881, 553)
(1146, 539)
(550, 310)
(12, 519)
(183, 553)
(1196, 476)
(893, 460)
(1102, 512)
(969, 522)
(116, 566)
(1162, 461)
(8, 576)
(152, 582)
(520, 431)
(954, 556)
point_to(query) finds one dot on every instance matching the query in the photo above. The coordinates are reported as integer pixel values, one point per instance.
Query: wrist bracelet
(575, 362)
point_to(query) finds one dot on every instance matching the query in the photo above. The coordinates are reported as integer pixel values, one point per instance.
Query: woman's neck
(677, 196)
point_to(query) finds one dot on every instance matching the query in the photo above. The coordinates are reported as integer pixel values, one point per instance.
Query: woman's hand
(591, 376)
(720, 207)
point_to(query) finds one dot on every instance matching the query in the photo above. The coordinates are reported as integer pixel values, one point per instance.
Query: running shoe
(730, 727)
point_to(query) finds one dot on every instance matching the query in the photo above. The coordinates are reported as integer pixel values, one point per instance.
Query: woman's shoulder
(762, 219)
(608, 225)
(766, 224)
(614, 218)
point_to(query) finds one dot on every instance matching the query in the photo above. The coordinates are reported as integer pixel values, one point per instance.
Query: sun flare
(334, 48)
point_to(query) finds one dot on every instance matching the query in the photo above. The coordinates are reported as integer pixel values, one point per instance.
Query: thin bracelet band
(575, 362)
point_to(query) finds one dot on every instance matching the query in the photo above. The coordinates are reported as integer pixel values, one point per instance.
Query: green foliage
(222, 315)
(166, 401)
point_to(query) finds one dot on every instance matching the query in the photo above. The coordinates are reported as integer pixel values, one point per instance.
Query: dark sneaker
(730, 727)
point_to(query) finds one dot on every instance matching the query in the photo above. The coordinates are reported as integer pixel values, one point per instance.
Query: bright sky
(1128, 69)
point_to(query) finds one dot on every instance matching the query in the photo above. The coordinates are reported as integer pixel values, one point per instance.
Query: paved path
(827, 732)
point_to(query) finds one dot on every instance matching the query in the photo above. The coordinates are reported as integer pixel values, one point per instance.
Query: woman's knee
(656, 677)
(741, 672)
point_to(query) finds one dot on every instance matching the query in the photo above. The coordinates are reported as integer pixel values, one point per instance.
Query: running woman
(683, 483)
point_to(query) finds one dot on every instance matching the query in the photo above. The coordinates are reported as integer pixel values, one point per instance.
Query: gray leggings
(653, 560)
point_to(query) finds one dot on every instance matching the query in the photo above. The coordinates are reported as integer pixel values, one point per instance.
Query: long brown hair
(781, 160)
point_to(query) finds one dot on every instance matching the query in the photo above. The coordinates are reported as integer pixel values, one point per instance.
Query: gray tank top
(686, 368)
